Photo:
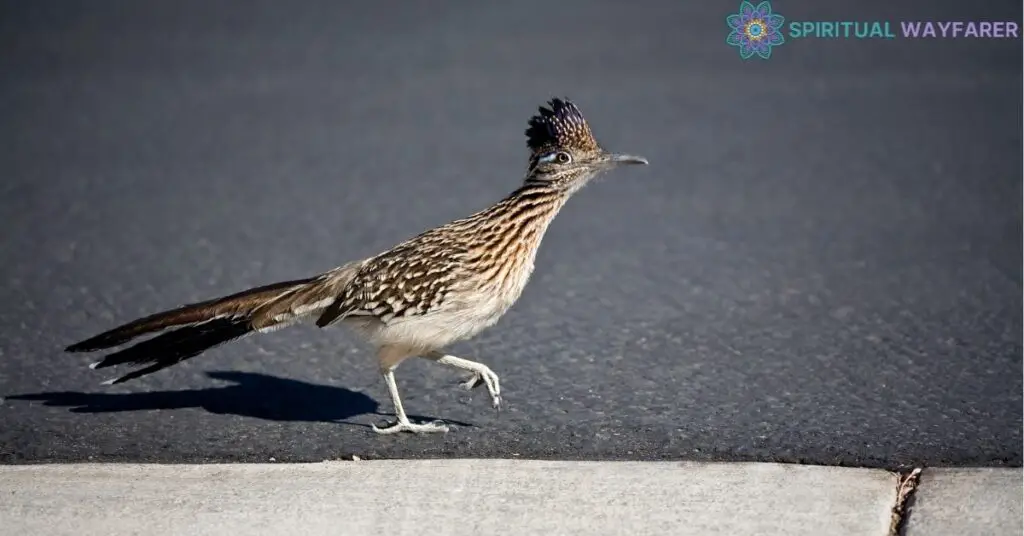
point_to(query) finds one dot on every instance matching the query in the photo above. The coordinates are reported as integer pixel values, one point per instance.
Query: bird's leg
(403, 424)
(481, 373)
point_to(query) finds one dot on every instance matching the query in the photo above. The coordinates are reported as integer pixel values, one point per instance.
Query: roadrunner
(445, 285)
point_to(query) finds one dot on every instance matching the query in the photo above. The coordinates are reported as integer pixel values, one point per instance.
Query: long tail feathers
(238, 304)
(175, 346)
(192, 329)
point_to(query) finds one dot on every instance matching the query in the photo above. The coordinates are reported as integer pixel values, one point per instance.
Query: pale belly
(456, 320)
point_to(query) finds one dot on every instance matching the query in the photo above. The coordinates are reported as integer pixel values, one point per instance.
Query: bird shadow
(249, 394)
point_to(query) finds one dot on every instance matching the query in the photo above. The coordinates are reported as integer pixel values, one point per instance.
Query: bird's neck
(513, 227)
(529, 209)
(505, 237)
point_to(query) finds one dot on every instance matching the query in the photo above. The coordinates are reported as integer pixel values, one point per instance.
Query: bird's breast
(504, 283)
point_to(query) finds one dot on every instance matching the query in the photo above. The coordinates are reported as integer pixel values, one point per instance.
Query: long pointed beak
(623, 159)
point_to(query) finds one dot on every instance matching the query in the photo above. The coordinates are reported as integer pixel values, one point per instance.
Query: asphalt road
(821, 264)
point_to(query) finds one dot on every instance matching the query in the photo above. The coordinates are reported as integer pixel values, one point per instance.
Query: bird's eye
(563, 158)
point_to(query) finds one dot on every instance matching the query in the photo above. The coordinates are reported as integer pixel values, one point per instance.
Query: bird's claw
(486, 377)
(426, 428)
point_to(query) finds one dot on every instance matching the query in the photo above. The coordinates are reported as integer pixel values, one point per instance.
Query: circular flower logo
(755, 30)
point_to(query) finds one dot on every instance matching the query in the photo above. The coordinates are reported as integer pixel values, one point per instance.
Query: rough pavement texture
(821, 263)
(967, 502)
(446, 497)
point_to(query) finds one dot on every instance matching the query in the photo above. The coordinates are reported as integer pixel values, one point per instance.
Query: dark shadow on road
(251, 395)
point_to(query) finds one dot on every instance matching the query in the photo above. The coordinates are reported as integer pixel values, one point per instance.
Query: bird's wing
(408, 280)
(311, 299)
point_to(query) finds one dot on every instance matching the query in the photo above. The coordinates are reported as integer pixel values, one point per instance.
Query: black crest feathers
(560, 125)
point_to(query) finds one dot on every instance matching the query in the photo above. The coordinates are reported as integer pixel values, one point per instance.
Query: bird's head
(564, 153)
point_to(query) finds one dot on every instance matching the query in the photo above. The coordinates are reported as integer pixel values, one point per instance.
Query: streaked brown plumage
(441, 286)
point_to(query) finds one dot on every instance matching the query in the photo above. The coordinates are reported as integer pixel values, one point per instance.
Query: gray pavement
(822, 263)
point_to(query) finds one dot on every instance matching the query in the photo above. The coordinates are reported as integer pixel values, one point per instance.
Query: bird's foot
(487, 377)
(406, 426)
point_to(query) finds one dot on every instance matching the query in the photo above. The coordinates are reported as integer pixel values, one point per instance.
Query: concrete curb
(494, 497)
(966, 502)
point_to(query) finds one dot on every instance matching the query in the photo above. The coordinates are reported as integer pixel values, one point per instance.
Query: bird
(444, 285)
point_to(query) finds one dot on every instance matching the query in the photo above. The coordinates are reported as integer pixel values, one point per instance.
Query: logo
(755, 30)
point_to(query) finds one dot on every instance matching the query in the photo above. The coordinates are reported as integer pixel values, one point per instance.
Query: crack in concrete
(906, 485)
